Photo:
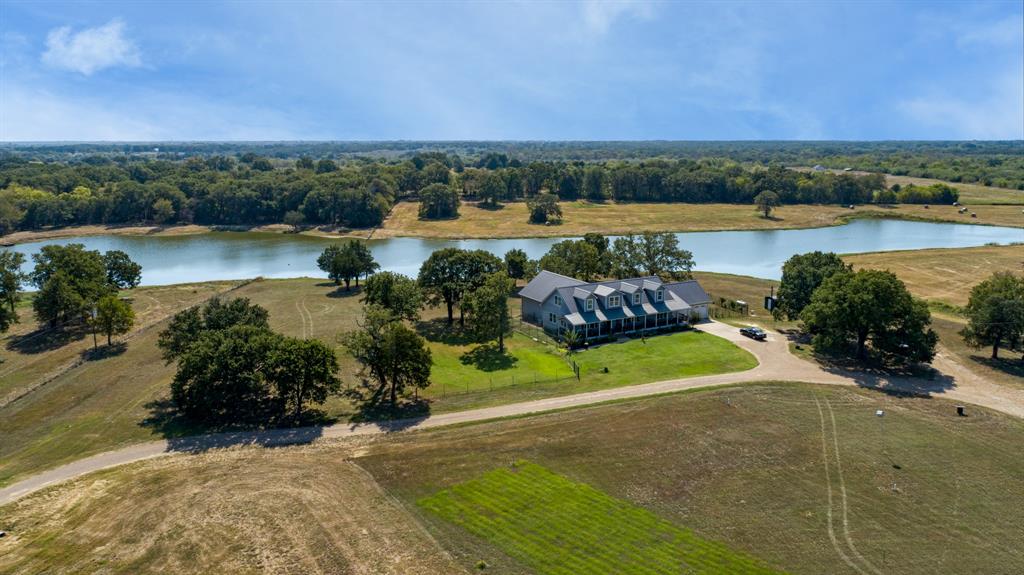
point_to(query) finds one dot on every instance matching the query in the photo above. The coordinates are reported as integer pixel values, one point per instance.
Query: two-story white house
(559, 303)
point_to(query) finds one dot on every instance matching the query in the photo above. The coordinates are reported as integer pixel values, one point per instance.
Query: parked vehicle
(754, 333)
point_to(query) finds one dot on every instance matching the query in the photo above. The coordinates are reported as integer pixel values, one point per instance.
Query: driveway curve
(775, 363)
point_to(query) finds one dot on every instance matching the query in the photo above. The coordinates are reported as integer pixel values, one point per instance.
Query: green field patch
(559, 527)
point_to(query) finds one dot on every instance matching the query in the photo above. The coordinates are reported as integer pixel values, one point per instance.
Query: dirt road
(775, 363)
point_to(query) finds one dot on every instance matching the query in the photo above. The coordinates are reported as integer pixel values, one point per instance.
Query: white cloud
(92, 49)
(599, 15)
(999, 116)
(43, 115)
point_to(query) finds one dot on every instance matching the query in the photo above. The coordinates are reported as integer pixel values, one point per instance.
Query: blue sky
(517, 70)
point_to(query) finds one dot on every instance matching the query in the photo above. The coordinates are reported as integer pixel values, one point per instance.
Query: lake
(240, 255)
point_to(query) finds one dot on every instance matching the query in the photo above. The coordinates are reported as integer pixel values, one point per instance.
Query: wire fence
(524, 380)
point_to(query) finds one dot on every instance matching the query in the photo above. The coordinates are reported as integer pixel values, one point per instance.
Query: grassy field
(945, 275)
(969, 193)
(798, 476)
(611, 218)
(559, 527)
(73, 407)
(296, 510)
(746, 467)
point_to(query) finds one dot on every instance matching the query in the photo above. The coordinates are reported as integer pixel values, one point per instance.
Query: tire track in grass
(828, 484)
(842, 491)
(309, 315)
(302, 319)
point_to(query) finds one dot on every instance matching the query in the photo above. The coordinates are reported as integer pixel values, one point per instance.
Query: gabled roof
(652, 284)
(603, 290)
(689, 291)
(546, 282)
(628, 287)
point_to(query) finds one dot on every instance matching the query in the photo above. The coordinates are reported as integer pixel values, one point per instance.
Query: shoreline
(543, 231)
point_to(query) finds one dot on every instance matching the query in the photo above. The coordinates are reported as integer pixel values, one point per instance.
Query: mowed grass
(297, 510)
(945, 275)
(76, 408)
(560, 527)
(580, 217)
(474, 375)
(753, 467)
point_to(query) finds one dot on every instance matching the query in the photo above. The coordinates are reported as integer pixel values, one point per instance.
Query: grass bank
(511, 220)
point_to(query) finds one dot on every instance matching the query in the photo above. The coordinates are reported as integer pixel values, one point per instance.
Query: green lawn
(468, 375)
(560, 527)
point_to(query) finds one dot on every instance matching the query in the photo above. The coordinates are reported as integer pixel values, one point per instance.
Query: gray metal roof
(652, 284)
(546, 282)
(689, 291)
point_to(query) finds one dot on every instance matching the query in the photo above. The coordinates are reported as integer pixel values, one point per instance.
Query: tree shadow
(486, 357)
(896, 379)
(772, 218)
(545, 223)
(491, 207)
(1014, 367)
(187, 435)
(341, 293)
(438, 331)
(374, 407)
(47, 339)
(103, 352)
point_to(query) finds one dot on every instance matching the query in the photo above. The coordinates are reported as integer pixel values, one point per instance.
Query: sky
(829, 70)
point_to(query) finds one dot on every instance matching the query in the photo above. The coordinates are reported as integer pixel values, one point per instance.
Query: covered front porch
(628, 325)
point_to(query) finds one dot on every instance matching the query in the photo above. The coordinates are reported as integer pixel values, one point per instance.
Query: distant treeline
(996, 163)
(255, 190)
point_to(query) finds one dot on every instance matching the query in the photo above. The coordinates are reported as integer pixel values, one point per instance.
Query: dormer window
(614, 301)
(590, 304)
(636, 298)
(659, 295)
(558, 299)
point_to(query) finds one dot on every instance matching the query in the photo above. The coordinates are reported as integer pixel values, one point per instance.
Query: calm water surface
(240, 255)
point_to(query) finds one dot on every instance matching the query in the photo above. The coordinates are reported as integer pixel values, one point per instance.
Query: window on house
(636, 298)
(660, 295)
(558, 299)
(614, 301)
(590, 304)
(552, 318)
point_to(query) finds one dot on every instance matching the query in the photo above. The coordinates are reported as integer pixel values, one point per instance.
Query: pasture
(944, 275)
(511, 220)
(804, 478)
(72, 404)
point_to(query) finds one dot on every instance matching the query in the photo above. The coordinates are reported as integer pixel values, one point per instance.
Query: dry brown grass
(296, 510)
(743, 466)
(611, 218)
(945, 275)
